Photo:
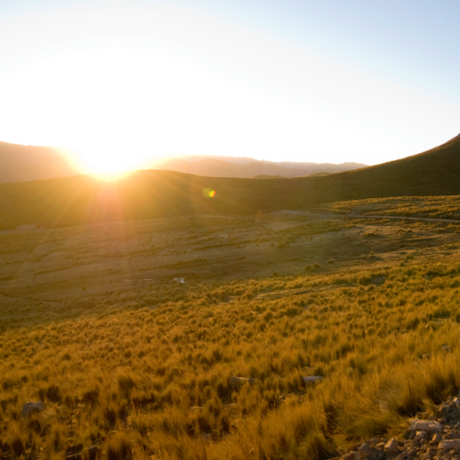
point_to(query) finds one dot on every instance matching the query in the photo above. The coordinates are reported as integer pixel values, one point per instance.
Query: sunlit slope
(148, 194)
(142, 195)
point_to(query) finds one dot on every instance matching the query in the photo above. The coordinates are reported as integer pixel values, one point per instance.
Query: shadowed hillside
(21, 163)
(147, 194)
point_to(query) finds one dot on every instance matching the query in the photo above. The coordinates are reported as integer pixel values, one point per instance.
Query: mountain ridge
(216, 167)
(26, 162)
(150, 194)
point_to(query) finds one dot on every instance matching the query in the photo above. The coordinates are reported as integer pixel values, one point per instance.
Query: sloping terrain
(23, 163)
(215, 167)
(148, 194)
(197, 338)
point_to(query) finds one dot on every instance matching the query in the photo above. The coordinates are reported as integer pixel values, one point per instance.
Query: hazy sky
(330, 80)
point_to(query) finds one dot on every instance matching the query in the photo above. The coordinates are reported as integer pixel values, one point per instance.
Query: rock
(427, 456)
(436, 438)
(380, 445)
(32, 408)
(392, 446)
(237, 382)
(403, 455)
(449, 444)
(365, 451)
(312, 379)
(426, 425)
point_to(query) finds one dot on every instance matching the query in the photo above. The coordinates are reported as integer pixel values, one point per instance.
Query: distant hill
(147, 194)
(23, 163)
(249, 167)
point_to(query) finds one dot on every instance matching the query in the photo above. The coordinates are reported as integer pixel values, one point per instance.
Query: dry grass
(438, 207)
(144, 369)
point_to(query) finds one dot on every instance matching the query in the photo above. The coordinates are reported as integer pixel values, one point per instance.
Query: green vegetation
(96, 323)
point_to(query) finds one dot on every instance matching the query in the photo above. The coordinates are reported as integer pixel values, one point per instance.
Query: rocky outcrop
(435, 439)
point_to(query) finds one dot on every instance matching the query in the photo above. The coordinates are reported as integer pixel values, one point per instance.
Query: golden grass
(160, 379)
(438, 207)
(142, 370)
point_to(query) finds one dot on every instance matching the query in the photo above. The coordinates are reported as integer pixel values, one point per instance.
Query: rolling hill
(249, 167)
(21, 163)
(148, 194)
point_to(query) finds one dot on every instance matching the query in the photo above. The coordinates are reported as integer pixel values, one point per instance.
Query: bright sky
(120, 82)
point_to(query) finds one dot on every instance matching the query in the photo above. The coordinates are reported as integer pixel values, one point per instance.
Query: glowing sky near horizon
(122, 82)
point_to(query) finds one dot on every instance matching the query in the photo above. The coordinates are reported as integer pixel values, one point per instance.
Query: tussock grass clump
(119, 447)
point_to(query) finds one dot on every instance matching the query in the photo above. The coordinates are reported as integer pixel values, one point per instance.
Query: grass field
(437, 207)
(131, 332)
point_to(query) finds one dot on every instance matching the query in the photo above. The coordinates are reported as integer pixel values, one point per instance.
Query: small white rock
(392, 446)
(236, 382)
(426, 425)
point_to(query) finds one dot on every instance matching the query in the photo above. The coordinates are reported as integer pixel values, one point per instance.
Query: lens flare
(209, 192)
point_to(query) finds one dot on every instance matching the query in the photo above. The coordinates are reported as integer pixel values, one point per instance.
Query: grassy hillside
(148, 194)
(437, 207)
(133, 364)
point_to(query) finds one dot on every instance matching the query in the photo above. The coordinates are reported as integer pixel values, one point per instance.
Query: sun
(103, 162)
